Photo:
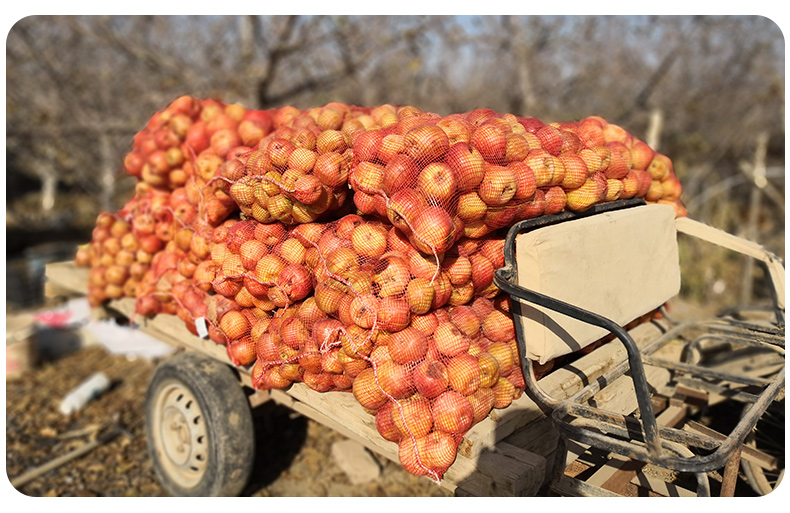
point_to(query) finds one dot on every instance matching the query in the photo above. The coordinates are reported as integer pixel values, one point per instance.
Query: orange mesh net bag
(353, 249)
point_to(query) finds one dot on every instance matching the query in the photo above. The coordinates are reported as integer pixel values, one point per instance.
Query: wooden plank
(66, 275)
(672, 416)
(616, 474)
(569, 487)
(660, 486)
(750, 454)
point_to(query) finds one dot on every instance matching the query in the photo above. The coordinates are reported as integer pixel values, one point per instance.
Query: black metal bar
(704, 371)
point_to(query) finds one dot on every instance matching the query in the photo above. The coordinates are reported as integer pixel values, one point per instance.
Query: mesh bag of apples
(353, 249)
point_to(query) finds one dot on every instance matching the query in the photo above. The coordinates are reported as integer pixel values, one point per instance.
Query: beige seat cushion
(620, 265)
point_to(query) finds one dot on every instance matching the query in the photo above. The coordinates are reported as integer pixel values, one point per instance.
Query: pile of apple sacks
(353, 249)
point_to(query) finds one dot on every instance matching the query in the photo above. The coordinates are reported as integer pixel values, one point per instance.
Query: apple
(419, 295)
(465, 319)
(364, 310)
(468, 165)
(295, 281)
(432, 230)
(392, 145)
(412, 417)
(440, 451)
(525, 180)
(550, 139)
(460, 295)
(517, 148)
(404, 207)
(357, 342)
(430, 378)
(615, 133)
(614, 190)
(329, 141)
(590, 131)
(671, 188)
(400, 172)
(504, 355)
(319, 381)
(438, 183)
(482, 402)
(328, 295)
(369, 240)
(426, 323)
(542, 165)
(394, 379)
(584, 197)
(456, 128)
(426, 143)
(576, 171)
(452, 413)
(498, 186)
(443, 289)
(531, 125)
(471, 207)
(555, 198)
(394, 314)
(234, 325)
(385, 423)
(409, 454)
(482, 271)
(491, 141)
(489, 369)
(408, 346)
(498, 326)
(659, 167)
(393, 278)
(367, 145)
(504, 393)
(463, 373)
(367, 177)
(330, 363)
(655, 192)
(332, 169)
(449, 340)
(458, 269)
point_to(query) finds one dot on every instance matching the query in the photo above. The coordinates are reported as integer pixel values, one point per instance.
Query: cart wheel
(199, 428)
(767, 436)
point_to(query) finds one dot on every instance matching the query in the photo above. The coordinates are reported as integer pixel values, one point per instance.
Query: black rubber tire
(222, 444)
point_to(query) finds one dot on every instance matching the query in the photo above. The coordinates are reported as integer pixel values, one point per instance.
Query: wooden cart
(200, 431)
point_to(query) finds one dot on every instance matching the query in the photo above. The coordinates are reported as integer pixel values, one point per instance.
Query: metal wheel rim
(180, 435)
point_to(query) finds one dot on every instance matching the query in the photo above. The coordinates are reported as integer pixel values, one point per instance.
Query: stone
(355, 461)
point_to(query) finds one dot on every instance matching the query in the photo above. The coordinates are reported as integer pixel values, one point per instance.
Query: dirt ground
(293, 458)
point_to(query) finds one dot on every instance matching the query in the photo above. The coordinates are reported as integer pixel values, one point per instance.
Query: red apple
(412, 416)
(449, 340)
(491, 141)
(452, 413)
(468, 165)
(438, 183)
(407, 346)
(463, 374)
(393, 314)
(395, 380)
(426, 143)
(432, 230)
(430, 378)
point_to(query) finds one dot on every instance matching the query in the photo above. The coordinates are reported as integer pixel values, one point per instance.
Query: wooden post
(758, 176)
